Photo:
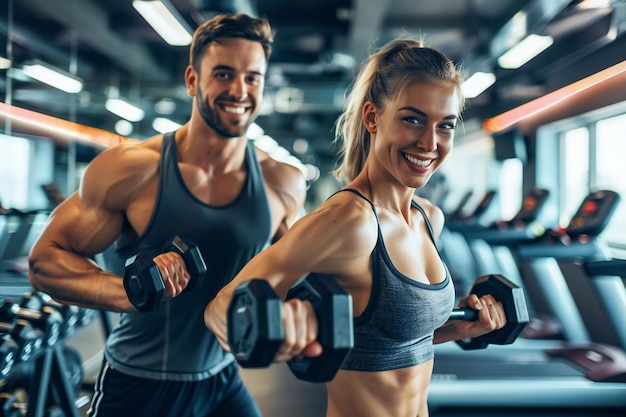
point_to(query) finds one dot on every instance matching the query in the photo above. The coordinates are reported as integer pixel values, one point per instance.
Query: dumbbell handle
(465, 314)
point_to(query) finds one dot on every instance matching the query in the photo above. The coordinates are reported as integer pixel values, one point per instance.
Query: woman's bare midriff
(395, 393)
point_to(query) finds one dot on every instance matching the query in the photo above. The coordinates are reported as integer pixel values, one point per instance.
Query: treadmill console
(594, 214)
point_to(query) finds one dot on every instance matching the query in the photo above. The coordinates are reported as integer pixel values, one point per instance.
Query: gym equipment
(255, 329)
(143, 282)
(51, 380)
(28, 338)
(47, 319)
(333, 308)
(71, 314)
(512, 298)
(8, 355)
(542, 373)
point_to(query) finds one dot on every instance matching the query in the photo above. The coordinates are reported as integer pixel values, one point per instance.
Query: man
(205, 183)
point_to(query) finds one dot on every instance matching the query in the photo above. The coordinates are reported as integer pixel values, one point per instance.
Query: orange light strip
(507, 119)
(44, 125)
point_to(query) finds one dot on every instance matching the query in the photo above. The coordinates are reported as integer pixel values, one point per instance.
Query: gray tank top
(172, 342)
(396, 328)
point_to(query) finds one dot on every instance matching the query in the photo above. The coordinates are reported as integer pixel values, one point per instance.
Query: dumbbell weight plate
(193, 260)
(143, 283)
(255, 324)
(333, 307)
(512, 298)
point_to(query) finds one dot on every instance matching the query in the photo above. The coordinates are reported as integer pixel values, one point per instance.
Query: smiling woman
(377, 240)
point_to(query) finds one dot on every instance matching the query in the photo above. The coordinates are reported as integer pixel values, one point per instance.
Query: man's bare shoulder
(281, 176)
(121, 170)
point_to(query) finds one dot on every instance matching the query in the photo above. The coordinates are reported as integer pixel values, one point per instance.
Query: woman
(377, 239)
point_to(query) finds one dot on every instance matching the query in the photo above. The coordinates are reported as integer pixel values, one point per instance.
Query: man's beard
(214, 121)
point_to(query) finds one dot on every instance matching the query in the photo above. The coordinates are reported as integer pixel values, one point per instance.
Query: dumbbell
(10, 405)
(142, 279)
(71, 314)
(515, 310)
(46, 319)
(28, 338)
(255, 325)
(9, 351)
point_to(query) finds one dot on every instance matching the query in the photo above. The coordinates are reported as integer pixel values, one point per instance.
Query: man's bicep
(81, 228)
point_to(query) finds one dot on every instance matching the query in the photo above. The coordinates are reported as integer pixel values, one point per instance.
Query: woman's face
(412, 136)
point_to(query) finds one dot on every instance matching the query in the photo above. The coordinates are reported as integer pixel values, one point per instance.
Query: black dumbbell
(29, 339)
(9, 351)
(255, 327)
(46, 319)
(10, 405)
(71, 314)
(515, 310)
(142, 279)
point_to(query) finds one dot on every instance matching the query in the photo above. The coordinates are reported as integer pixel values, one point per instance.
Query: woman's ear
(370, 117)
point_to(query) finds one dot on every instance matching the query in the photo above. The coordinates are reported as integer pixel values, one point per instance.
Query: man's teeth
(235, 110)
(415, 161)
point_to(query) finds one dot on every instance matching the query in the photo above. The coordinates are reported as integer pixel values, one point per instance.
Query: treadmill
(559, 374)
(453, 246)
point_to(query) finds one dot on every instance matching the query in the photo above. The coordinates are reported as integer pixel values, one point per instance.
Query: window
(610, 170)
(592, 157)
(574, 172)
(14, 166)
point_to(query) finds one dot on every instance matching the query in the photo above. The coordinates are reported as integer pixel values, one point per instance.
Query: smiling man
(205, 183)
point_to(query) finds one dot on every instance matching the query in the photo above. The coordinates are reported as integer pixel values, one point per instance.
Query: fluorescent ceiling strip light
(477, 83)
(53, 77)
(5, 63)
(556, 99)
(124, 109)
(165, 20)
(531, 46)
(164, 125)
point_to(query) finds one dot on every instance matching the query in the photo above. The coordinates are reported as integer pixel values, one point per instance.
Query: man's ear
(370, 117)
(191, 80)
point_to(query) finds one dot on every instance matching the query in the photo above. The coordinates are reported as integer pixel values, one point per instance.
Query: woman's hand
(490, 316)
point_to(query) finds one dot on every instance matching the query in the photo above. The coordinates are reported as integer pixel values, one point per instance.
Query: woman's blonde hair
(381, 79)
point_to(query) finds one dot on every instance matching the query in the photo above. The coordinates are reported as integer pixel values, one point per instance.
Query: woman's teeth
(418, 162)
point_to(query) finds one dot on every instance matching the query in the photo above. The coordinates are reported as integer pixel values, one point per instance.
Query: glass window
(574, 172)
(610, 172)
(510, 188)
(14, 166)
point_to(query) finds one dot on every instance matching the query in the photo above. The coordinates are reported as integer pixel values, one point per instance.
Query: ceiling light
(124, 109)
(255, 131)
(5, 63)
(165, 20)
(477, 83)
(164, 125)
(531, 46)
(52, 76)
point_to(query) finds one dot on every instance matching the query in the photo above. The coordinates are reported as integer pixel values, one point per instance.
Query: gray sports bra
(396, 328)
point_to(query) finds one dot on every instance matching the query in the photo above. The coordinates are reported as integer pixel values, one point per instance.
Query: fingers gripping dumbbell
(515, 310)
(255, 327)
(143, 281)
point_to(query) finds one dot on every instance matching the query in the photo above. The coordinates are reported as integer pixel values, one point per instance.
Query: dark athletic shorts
(120, 395)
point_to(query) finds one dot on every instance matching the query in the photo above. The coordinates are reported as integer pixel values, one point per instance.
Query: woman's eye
(414, 120)
(448, 126)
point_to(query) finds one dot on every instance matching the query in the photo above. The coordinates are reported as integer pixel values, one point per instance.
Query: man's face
(229, 87)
